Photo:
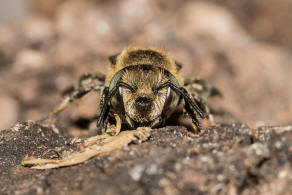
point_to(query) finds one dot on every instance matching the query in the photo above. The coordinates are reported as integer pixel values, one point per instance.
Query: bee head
(143, 103)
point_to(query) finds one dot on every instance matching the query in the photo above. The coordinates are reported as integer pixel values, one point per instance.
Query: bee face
(143, 87)
(143, 103)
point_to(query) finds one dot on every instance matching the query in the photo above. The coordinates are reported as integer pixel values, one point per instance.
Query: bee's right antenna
(186, 97)
(107, 96)
(104, 107)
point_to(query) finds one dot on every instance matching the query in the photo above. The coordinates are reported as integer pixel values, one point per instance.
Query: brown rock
(9, 111)
(224, 159)
(30, 60)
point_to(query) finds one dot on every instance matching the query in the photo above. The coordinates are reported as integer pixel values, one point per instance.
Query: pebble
(9, 111)
(136, 172)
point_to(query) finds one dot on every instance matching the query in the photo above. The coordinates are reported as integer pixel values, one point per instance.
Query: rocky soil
(227, 159)
(243, 48)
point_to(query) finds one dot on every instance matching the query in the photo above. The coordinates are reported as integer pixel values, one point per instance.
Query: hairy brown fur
(142, 88)
(145, 82)
(143, 55)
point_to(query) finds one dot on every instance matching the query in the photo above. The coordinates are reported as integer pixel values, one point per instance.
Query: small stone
(30, 60)
(152, 169)
(136, 172)
(9, 111)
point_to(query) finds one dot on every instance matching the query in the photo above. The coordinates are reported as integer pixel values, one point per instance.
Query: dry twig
(94, 146)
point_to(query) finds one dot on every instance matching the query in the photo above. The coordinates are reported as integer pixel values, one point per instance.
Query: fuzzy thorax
(132, 56)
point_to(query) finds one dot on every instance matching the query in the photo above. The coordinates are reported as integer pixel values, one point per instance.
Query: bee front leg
(205, 108)
(199, 86)
(87, 83)
(191, 106)
(205, 121)
(195, 122)
(200, 91)
(105, 107)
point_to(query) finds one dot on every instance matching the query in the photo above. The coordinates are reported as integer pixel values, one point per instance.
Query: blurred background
(241, 47)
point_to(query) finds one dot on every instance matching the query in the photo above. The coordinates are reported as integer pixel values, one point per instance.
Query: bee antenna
(107, 96)
(186, 97)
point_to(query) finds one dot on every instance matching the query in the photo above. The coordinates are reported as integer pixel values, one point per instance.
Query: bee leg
(114, 131)
(86, 84)
(101, 121)
(102, 129)
(90, 80)
(191, 105)
(188, 100)
(202, 88)
(201, 103)
(195, 122)
(205, 90)
(105, 99)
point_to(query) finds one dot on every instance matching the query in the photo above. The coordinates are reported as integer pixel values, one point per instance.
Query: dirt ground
(243, 48)
(227, 159)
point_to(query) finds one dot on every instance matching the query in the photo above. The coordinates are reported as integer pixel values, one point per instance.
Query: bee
(143, 87)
